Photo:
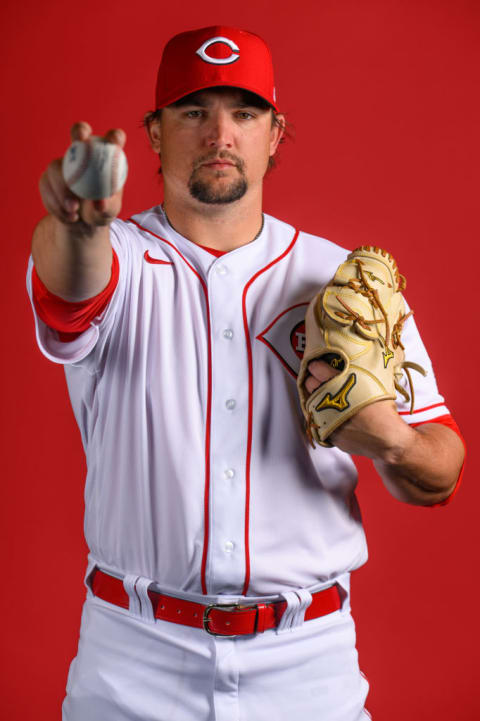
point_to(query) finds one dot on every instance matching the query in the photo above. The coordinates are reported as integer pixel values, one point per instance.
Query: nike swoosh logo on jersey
(149, 259)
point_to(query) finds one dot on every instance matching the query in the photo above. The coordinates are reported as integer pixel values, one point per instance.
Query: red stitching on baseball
(83, 166)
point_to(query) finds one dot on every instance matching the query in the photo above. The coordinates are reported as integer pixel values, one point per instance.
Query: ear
(277, 132)
(154, 132)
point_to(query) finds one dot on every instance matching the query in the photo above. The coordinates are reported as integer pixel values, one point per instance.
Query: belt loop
(305, 601)
(343, 586)
(129, 582)
(90, 568)
(293, 602)
(141, 588)
(261, 617)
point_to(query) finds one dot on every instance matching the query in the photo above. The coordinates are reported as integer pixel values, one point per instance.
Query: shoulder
(313, 249)
(133, 226)
(127, 234)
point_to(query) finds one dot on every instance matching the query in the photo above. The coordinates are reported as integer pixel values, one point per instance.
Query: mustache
(222, 155)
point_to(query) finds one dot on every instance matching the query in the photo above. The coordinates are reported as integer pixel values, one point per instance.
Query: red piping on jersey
(420, 410)
(208, 419)
(297, 305)
(250, 407)
(282, 361)
(269, 345)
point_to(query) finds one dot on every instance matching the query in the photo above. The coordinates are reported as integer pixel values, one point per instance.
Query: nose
(219, 131)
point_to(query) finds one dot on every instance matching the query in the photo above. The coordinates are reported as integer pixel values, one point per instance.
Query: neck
(222, 227)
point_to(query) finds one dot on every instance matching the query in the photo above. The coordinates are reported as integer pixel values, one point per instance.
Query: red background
(384, 99)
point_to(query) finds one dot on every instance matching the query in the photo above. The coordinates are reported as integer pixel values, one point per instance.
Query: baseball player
(221, 542)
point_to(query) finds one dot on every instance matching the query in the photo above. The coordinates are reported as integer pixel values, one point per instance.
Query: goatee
(205, 193)
(217, 193)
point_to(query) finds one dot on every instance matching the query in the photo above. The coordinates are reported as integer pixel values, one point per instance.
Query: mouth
(218, 164)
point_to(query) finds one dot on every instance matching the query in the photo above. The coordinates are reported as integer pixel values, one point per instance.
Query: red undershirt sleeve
(448, 421)
(71, 319)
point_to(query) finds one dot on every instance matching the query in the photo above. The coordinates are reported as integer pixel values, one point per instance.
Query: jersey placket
(225, 569)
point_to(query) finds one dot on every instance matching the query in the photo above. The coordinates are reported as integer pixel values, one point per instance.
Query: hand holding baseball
(65, 202)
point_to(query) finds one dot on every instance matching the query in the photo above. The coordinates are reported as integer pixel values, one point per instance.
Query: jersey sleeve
(71, 319)
(72, 344)
(428, 402)
(429, 405)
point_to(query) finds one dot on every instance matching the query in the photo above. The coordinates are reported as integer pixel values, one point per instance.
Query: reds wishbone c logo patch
(285, 336)
(234, 55)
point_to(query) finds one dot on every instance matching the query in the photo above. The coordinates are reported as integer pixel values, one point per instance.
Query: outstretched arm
(71, 245)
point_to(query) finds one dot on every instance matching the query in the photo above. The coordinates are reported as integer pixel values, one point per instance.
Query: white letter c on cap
(219, 61)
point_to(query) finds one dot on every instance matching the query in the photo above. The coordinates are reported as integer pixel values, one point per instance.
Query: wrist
(377, 432)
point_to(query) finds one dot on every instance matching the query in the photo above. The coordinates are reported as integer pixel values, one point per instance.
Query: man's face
(216, 146)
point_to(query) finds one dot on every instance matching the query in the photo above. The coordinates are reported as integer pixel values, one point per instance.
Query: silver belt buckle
(224, 607)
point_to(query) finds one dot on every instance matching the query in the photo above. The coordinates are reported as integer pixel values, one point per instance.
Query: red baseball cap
(212, 57)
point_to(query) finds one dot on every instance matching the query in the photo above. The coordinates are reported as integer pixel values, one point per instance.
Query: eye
(245, 115)
(194, 113)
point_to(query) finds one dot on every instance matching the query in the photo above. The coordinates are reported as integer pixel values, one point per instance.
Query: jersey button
(229, 473)
(229, 546)
(222, 270)
(231, 403)
(228, 333)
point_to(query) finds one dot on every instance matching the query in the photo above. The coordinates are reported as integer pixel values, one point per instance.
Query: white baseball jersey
(200, 476)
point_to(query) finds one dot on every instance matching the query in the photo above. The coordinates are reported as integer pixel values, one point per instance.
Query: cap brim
(220, 84)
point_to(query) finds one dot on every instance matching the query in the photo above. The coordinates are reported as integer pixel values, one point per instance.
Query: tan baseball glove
(355, 324)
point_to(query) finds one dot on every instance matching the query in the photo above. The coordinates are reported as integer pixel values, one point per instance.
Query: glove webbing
(363, 287)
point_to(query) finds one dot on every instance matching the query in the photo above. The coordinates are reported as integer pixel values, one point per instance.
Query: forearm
(417, 465)
(422, 468)
(71, 246)
(73, 261)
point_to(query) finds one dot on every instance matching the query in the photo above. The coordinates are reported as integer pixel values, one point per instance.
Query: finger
(116, 135)
(105, 208)
(322, 371)
(81, 130)
(311, 384)
(101, 206)
(52, 203)
(66, 199)
(101, 212)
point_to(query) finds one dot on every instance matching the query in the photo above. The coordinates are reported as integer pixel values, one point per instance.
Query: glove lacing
(362, 286)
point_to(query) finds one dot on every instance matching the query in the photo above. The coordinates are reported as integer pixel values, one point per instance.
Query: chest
(225, 307)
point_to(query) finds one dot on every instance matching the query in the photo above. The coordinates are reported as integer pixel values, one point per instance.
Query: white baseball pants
(131, 669)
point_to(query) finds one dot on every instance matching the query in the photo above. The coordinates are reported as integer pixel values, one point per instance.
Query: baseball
(94, 169)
